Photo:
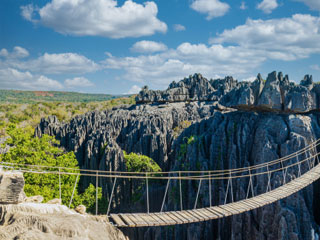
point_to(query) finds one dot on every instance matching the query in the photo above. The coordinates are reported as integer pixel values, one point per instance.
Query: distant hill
(17, 96)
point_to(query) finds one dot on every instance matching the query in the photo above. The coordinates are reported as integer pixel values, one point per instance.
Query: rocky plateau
(233, 124)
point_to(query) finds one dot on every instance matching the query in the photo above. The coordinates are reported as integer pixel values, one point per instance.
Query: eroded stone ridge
(276, 93)
(11, 187)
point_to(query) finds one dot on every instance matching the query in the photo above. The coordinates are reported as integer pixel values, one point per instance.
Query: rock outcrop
(48, 221)
(233, 124)
(276, 94)
(31, 220)
(11, 187)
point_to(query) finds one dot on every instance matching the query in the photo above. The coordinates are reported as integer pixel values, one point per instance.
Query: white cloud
(4, 52)
(315, 67)
(243, 6)
(148, 46)
(158, 70)
(249, 79)
(57, 64)
(78, 82)
(179, 27)
(134, 90)
(11, 78)
(312, 4)
(17, 52)
(97, 18)
(28, 12)
(283, 39)
(267, 6)
(213, 8)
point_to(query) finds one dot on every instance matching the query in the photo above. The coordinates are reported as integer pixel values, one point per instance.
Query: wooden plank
(192, 217)
(183, 219)
(212, 210)
(158, 219)
(243, 207)
(253, 201)
(208, 213)
(178, 220)
(146, 218)
(199, 215)
(250, 205)
(118, 220)
(228, 208)
(225, 212)
(167, 220)
(129, 222)
(139, 221)
(187, 216)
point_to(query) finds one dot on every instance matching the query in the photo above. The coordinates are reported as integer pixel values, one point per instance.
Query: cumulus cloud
(179, 27)
(148, 46)
(17, 52)
(78, 82)
(213, 8)
(249, 79)
(97, 18)
(283, 39)
(51, 63)
(312, 4)
(238, 52)
(11, 78)
(160, 69)
(315, 67)
(134, 90)
(267, 6)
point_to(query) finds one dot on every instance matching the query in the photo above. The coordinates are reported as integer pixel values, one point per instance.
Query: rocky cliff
(275, 94)
(25, 220)
(232, 124)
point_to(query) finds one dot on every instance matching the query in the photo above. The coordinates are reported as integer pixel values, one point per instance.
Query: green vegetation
(178, 129)
(30, 114)
(140, 163)
(15, 96)
(44, 151)
(18, 120)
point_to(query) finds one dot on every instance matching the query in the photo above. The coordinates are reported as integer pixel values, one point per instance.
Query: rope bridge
(294, 171)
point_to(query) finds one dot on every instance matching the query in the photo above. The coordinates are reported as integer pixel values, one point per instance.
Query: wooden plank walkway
(209, 213)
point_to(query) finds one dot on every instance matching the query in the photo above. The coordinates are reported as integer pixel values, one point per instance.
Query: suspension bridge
(292, 172)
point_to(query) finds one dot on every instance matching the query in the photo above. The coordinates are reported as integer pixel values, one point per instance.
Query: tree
(44, 151)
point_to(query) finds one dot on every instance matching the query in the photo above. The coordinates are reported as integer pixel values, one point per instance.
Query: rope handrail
(150, 175)
(217, 173)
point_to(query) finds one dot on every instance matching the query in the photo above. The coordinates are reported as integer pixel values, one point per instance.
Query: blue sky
(116, 47)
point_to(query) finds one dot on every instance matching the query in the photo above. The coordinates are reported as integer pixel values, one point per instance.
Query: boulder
(81, 209)
(34, 199)
(55, 201)
(11, 187)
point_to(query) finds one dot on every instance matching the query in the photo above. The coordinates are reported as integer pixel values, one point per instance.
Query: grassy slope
(15, 96)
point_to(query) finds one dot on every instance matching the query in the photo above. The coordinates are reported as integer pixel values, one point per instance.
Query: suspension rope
(181, 206)
(250, 186)
(110, 199)
(199, 186)
(165, 194)
(225, 171)
(74, 188)
(151, 176)
(225, 199)
(210, 197)
(59, 184)
(147, 192)
(97, 183)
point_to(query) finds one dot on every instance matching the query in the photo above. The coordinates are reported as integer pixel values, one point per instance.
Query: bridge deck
(204, 214)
